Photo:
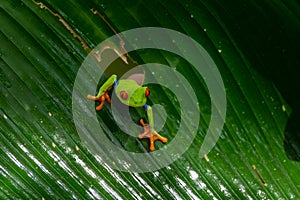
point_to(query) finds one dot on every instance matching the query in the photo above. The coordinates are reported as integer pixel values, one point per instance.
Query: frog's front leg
(102, 98)
(103, 95)
(149, 131)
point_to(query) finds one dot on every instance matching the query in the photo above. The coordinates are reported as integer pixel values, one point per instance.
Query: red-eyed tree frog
(130, 93)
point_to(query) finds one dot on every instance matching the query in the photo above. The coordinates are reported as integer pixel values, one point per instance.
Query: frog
(132, 94)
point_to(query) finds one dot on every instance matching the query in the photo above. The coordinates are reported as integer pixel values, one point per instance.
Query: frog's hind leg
(151, 134)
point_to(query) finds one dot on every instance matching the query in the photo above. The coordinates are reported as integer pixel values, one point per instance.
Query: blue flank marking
(116, 82)
(146, 107)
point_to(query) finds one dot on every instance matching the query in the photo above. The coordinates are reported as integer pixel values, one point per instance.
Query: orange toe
(163, 140)
(152, 148)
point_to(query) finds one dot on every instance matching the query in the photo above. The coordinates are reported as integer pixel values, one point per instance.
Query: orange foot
(104, 97)
(152, 135)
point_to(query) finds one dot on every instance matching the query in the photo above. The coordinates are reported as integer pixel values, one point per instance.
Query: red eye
(147, 92)
(124, 95)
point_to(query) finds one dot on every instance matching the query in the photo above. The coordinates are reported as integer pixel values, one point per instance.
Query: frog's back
(128, 85)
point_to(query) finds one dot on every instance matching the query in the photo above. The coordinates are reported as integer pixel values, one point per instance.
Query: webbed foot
(151, 134)
(104, 97)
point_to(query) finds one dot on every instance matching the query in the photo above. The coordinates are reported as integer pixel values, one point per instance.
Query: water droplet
(283, 108)
(193, 175)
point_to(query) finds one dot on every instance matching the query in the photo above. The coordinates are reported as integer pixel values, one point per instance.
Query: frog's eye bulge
(147, 92)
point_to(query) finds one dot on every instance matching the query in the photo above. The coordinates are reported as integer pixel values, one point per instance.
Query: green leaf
(42, 47)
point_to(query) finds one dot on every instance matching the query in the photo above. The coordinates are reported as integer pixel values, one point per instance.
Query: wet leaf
(42, 47)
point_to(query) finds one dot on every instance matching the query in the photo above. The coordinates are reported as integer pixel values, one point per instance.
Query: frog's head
(136, 98)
